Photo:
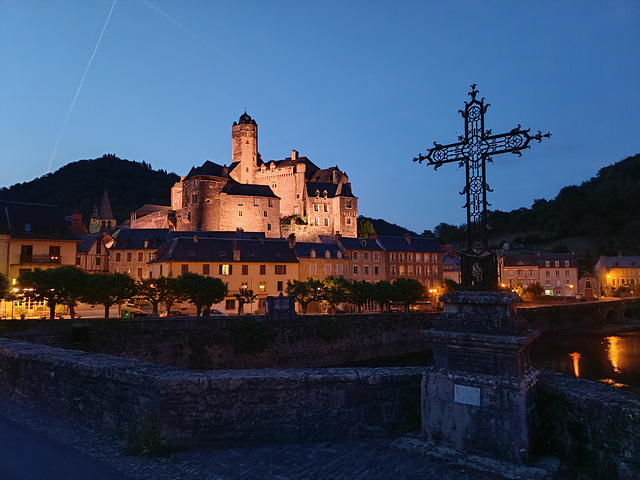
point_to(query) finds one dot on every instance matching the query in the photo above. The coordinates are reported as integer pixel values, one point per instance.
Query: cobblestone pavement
(95, 451)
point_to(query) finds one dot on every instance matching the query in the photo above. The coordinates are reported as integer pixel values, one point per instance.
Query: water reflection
(614, 358)
(576, 363)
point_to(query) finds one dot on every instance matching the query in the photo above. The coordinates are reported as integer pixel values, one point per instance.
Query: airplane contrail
(173, 20)
(66, 118)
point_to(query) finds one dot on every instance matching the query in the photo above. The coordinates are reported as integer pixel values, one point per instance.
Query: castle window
(376, 256)
(326, 222)
(265, 213)
(324, 193)
(194, 198)
(366, 270)
(316, 221)
(393, 257)
(313, 269)
(327, 269)
(409, 257)
(401, 257)
(393, 269)
(365, 256)
(268, 226)
(315, 207)
(326, 207)
(339, 269)
(401, 270)
(348, 220)
(557, 263)
(566, 263)
(355, 270)
(141, 256)
(317, 193)
(129, 256)
(240, 201)
(239, 213)
(376, 270)
(271, 202)
(355, 255)
(348, 203)
(256, 202)
(118, 255)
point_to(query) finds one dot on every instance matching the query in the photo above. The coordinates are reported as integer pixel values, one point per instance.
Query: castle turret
(244, 139)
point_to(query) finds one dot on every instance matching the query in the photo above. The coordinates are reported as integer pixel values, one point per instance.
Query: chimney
(337, 237)
(195, 239)
(407, 237)
(373, 236)
(294, 154)
(292, 240)
(146, 243)
(236, 251)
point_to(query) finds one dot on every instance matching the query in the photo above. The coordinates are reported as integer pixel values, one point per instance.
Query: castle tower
(244, 140)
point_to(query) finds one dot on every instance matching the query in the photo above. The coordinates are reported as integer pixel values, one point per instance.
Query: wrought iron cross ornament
(479, 267)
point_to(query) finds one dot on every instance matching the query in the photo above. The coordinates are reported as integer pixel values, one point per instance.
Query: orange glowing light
(615, 352)
(575, 356)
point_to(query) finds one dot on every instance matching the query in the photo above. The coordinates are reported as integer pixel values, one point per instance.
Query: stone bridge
(580, 315)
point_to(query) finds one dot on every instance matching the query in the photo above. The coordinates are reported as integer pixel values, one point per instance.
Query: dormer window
(313, 254)
(324, 193)
(317, 193)
(339, 254)
(327, 254)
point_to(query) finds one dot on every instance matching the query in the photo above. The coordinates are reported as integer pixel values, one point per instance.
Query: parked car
(214, 313)
(173, 313)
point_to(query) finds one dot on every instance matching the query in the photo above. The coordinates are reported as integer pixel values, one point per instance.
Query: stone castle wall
(185, 408)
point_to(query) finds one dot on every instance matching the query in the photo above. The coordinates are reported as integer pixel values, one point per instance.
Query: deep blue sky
(365, 85)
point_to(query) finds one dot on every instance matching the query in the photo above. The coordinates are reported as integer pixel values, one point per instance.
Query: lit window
(315, 207)
(226, 269)
(263, 286)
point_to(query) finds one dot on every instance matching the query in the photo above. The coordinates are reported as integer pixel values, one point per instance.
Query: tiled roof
(360, 244)
(210, 169)
(332, 189)
(33, 220)
(134, 238)
(310, 170)
(235, 188)
(560, 257)
(87, 242)
(520, 259)
(304, 249)
(185, 249)
(416, 244)
(620, 262)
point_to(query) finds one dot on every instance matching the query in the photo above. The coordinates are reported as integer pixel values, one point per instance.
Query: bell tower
(244, 140)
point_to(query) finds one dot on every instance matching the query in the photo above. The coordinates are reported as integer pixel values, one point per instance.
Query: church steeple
(102, 218)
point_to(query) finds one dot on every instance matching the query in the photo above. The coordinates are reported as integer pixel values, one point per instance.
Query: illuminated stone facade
(277, 197)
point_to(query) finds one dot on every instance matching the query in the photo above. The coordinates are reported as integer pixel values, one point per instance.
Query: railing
(56, 259)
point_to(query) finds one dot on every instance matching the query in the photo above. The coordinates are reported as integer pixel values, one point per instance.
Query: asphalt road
(28, 455)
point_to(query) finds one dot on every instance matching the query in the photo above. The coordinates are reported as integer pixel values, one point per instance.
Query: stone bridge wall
(593, 428)
(150, 403)
(579, 315)
(232, 342)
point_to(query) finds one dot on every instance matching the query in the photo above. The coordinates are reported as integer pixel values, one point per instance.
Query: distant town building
(618, 275)
(277, 197)
(261, 265)
(92, 254)
(133, 249)
(588, 286)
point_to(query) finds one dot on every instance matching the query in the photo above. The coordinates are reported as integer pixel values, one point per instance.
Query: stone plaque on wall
(466, 395)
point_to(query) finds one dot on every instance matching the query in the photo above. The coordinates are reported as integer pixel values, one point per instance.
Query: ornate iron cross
(479, 267)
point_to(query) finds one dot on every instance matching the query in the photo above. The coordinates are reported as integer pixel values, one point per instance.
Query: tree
(383, 293)
(245, 296)
(408, 291)
(532, 292)
(149, 290)
(4, 286)
(202, 291)
(42, 285)
(72, 283)
(170, 291)
(305, 292)
(445, 285)
(109, 289)
(360, 292)
(335, 292)
(365, 228)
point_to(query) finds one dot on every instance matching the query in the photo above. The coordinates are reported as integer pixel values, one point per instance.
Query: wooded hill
(80, 185)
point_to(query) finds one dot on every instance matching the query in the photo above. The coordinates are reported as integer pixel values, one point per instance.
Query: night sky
(365, 85)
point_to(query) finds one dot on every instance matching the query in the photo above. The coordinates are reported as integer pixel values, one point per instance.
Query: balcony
(40, 259)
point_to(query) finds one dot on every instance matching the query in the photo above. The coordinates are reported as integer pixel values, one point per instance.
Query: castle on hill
(277, 197)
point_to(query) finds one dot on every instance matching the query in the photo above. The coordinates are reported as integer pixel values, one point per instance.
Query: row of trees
(68, 285)
(336, 290)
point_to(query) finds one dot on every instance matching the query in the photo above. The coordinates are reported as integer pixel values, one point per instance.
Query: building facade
(618, 275)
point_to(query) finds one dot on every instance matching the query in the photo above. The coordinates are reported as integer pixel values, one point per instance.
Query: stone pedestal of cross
(474, 150)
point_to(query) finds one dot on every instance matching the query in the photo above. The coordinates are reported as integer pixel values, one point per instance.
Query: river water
(611, 358)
